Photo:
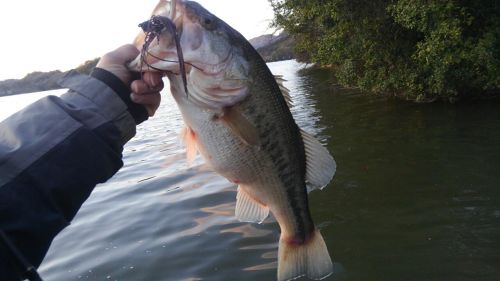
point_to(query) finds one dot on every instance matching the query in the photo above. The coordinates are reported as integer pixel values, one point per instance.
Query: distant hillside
(261, 41)
(274, 47)
(270, 47)
(40, 81)
(33, 82)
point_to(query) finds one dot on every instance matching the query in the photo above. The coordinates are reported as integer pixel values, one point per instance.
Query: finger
(140, 87)
(120, 56)
(128, 52)
(150, 101)
(115, 61)
(154, 79)
(123, 54)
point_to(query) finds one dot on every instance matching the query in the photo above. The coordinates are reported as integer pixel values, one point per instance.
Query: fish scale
(282, 143)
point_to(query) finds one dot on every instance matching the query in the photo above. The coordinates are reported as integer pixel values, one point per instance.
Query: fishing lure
(153, 29)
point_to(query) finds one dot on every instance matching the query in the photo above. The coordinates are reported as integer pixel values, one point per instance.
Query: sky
(62, 34)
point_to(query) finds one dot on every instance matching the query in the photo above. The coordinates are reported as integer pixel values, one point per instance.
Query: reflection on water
(416, 197)
(416, 192)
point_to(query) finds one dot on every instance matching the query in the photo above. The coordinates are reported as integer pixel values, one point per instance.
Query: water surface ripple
(416, 197)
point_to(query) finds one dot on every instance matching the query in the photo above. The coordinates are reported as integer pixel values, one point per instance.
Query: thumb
(116, 60)
(122, 55)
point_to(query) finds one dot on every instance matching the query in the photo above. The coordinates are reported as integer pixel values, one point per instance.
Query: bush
(415, 49)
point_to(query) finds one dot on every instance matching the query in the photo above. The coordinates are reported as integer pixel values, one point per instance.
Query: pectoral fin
(320, 165)
(248, 209)
(240, 126)
(189, 138)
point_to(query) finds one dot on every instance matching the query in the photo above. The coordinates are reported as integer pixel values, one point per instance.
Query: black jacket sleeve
(52, 155)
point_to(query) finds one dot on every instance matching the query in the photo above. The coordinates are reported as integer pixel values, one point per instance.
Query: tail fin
(310, 259)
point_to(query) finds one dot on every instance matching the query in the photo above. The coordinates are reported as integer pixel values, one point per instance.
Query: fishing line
(158, 58)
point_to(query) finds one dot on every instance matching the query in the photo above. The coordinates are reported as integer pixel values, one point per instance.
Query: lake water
(11, 104)
(416, 197)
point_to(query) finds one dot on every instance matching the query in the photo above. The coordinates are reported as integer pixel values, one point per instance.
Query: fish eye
(208, 23)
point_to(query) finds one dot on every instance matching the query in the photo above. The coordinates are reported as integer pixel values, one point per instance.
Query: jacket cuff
(101, 102)
(138, 112)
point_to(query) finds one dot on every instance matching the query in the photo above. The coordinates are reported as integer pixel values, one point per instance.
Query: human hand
(146, 91)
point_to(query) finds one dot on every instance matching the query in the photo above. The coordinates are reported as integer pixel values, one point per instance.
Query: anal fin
(248, 209)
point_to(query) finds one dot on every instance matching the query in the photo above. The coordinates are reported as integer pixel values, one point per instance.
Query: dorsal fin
(320, 165)
(284, 90)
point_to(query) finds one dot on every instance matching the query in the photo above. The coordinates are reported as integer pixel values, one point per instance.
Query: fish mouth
(167, 60)
(153, 29)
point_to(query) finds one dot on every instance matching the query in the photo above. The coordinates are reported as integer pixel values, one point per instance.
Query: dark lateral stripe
(292, 153)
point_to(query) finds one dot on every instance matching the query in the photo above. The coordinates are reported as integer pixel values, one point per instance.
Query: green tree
(415, 49)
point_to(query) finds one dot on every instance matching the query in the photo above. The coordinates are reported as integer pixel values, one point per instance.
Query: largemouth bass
(237, 116)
